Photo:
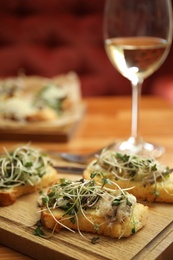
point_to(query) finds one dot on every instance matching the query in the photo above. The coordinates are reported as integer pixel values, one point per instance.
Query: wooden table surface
(107, 119)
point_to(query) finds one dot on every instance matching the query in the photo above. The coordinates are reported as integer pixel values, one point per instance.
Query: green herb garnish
(94, 240)
(125, 167)
(79, 197)
(24, 165)
(38, 231)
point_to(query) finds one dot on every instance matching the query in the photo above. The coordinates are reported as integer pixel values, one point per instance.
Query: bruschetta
(148, 179)
(87, 206)
(22, 171)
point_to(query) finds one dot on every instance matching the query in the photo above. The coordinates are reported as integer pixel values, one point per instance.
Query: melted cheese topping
(53, 92)
(17, 108)
(115, 213)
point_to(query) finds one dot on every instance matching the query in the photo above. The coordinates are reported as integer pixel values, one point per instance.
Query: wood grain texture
(106, 119)
(52, 134)
(17, 225)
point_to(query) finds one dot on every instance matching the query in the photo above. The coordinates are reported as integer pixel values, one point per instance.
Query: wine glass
(137, 36)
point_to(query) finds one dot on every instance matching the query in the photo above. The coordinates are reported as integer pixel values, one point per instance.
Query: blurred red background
(51, 37)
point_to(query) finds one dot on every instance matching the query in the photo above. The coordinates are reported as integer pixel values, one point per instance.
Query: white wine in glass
(137, 36)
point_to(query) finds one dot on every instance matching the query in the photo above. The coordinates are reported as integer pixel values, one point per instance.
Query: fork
(80, 158)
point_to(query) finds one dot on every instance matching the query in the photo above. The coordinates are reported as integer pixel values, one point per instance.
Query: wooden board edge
(158, 245)
(40, 136)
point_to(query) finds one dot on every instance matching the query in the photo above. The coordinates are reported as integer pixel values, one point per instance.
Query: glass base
(133, 146)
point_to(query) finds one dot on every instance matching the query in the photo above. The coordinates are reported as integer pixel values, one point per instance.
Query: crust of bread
(9, 196)
(164, 188)
(45, 114)
(109, 229)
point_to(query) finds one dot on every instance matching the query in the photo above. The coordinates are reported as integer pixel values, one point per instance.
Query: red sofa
(50, 37)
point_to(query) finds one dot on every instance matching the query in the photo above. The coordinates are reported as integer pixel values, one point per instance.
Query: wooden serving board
(17, 225)
(44, 132)
(51, 134)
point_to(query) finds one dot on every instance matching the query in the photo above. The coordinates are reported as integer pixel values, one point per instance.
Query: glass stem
(136, 96)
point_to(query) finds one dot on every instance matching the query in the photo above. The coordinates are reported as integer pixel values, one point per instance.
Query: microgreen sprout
(23, 165)
(128, 167)
(79, 197)
(51, 96)
(38, 230)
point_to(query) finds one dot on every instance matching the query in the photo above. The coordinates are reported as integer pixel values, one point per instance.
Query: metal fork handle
(80, 158)
(70, 169)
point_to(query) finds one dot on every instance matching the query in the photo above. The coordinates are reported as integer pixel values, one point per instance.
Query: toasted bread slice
(114, 230)
(9, 195)
(112, 213)
(151, 182)
(159, 192)
(23, 171)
